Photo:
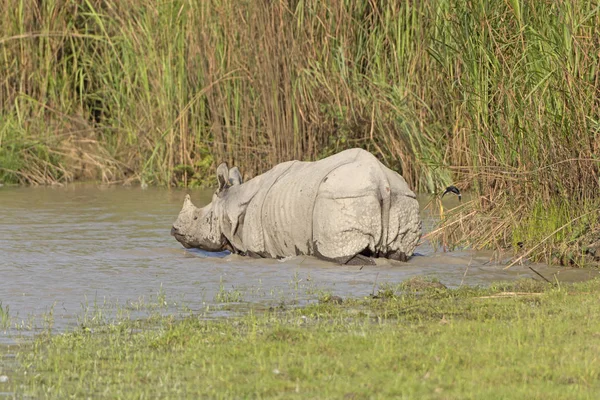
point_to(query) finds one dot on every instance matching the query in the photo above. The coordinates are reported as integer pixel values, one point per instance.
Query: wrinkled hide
(335, 209)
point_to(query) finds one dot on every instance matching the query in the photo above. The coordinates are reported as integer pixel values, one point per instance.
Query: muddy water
(69, 251)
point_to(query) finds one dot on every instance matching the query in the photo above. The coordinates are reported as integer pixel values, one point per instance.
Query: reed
(500, 97)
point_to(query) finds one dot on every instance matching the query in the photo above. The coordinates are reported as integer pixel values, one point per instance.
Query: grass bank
(500, 97)
(519, 340)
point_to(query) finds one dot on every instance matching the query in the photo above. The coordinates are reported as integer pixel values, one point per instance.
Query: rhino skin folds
(345, 207)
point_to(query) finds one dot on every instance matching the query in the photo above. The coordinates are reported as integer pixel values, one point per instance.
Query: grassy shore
(418, 340)
(499, 97)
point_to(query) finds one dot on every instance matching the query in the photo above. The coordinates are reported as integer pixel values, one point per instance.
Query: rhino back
(285, 210)
(348, 210)
(287, 207)
(334, 208)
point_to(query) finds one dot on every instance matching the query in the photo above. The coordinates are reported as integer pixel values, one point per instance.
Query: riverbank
(417, 339)
(499, 98)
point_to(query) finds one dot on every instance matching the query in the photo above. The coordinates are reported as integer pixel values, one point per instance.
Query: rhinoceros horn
(187, 203)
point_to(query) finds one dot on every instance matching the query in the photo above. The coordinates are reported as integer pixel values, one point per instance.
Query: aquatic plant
(4, 316)
(223, 295)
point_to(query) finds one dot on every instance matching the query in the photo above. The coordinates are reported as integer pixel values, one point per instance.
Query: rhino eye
(195, 218)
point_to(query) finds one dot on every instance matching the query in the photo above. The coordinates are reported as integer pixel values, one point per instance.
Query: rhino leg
(356, 259)
(396, 255)
(253, 254)
(360, 259)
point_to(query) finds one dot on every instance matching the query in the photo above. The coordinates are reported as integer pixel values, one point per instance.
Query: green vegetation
(416, 340)
(4, 316)
(500, 97)
(232, 295)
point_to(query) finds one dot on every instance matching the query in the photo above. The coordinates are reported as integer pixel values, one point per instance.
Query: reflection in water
(62, 248)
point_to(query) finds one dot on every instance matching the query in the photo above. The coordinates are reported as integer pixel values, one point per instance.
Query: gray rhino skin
(343, 208)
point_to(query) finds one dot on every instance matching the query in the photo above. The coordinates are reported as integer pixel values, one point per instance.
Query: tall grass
(159, 92)
(501, 97)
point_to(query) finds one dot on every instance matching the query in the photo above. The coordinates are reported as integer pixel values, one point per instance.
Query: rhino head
(199, 227)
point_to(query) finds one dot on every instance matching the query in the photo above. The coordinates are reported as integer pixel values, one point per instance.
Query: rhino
(347, 208)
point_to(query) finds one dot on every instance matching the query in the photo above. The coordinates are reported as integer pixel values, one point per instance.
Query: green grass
(4, 316)
(232, 295)
(519, 340)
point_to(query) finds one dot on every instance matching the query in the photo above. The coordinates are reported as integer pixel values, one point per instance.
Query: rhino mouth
(179, 237)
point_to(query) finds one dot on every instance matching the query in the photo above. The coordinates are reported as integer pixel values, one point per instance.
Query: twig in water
(466, 270)
(541, 276)
(374, 283)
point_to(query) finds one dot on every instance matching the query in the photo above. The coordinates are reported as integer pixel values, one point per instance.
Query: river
(71, 252)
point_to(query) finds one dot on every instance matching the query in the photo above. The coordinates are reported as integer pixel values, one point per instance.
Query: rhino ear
(235, 177)
(222, 176)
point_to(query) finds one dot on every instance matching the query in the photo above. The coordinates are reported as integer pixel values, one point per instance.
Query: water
(66, 251)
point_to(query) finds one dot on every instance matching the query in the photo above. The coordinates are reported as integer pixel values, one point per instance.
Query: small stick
(374, 283)
(466, 270)
(540, 275)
